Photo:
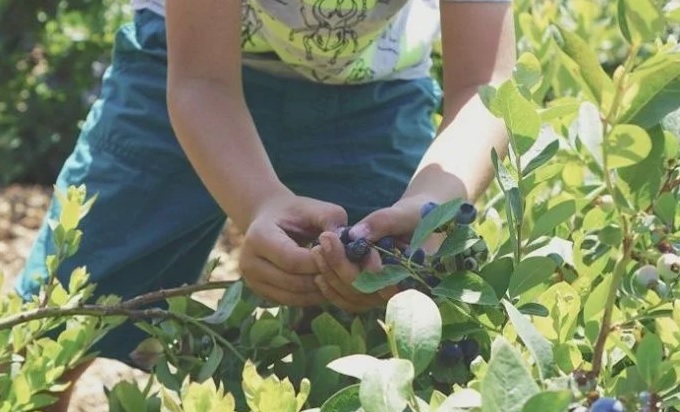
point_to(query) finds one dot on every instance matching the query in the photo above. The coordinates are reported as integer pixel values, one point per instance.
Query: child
(293, 117)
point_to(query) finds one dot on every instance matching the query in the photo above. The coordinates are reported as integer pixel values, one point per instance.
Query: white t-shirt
(337, 41)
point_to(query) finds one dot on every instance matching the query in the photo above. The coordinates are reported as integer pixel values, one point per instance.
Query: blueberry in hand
(386, 243)
(607, 405)
(418, 257)
(344, 235)
(466, 214)
(427, 208)
(357, 250)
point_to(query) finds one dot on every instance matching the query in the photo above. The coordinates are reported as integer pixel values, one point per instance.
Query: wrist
(254, 200)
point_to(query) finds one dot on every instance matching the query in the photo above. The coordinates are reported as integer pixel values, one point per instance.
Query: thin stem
(122, 308)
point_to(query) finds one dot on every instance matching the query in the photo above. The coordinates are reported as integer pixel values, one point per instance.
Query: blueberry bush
(556, 291)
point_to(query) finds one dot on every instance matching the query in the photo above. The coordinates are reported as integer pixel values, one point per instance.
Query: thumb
(391, 221)
(329, 217)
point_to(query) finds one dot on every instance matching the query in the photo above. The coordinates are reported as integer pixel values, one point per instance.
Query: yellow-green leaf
(627, 145)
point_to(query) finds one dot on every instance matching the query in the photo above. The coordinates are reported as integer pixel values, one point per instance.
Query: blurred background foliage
(55, 52)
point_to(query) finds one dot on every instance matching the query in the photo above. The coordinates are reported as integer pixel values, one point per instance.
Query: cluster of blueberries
(391, 253)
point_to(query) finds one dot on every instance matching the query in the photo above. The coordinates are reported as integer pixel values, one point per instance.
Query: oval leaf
(387, 387)
(354, 365)
(507, 384)
(345, 400)
(369, 282)
(416, 325)
(627, 145)
(530, 272)
(467, 287)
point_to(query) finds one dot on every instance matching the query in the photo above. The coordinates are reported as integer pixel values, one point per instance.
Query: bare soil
(21, 212)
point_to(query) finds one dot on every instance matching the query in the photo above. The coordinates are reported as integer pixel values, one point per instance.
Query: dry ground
(21, 212)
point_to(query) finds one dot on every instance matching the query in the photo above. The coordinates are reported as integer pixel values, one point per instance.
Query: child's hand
(338, 273)
(272, 262)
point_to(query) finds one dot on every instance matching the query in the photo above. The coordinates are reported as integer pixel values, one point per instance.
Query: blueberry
(647, 276)
(470, 263)
(427, 208)
(668, 266)
(386, 243)
(418, 257)
(390, 260)
(644, 397)
(470, 349)
(357, 250)
(432, 281)
(438, 265)
(450, 353)
(607, 405)
(344, 235)
(466, 214)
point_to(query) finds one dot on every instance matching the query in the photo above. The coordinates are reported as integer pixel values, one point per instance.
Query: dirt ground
(21, 211)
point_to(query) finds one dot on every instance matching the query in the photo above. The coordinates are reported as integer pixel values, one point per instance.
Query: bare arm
(478, 46)
(207, 107)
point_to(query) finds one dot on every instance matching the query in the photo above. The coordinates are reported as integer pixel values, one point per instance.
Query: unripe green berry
(647, 276)
(668, 266)
(607, 203)
(662, 289)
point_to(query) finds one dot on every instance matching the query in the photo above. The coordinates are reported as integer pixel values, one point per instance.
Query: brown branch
(125, 308)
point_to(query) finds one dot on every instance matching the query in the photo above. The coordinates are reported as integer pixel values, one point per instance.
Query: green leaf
(649, 356)
(169, 402)
(621, 19)
(527, 70)
(211, 364)
(553, 401)
(457, 241)
(438, 217)
(552, 218)
(580, 51)
(329, 331)
(590, 130)
(129, 396)
(355, 366)
(467, 287)
(497, 273)
(521, 117)
(416, 325)
(652, 91)
(324, 380)
(541, 157)
(369, 282)
(539, 347)
(568, 356)
(596, 301)
(263, 331)
(388, 387)
(534, 309)
(644, 21)
(644, 178)
(461, 399)
(226, 305)
(665, 207)
(507, 384)
(530, 272)
(345, 400)
(627, 145)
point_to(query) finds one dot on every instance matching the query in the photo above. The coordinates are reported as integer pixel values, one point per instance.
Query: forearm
(458, 162)
(217, 133)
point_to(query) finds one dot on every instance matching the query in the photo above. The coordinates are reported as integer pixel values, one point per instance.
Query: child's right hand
(272, 262)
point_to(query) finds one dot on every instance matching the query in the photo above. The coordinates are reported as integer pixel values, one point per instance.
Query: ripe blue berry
(432, 281)
(644, 397)
(386, 243)
(607, 405)
(357, 250)
(427, 208)
(344, 235)
(390, 260)
(438, 265)
(450, 353)
(466, 214)
(470, 349)
(418, 257)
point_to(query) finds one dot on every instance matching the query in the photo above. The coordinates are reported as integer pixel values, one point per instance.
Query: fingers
(391, 221)
(338, 273)
(281, 250)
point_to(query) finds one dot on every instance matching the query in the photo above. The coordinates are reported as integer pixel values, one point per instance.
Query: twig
(121, 309)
